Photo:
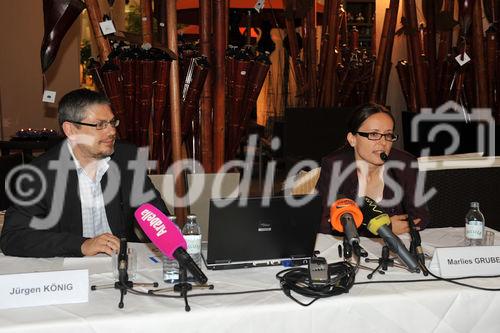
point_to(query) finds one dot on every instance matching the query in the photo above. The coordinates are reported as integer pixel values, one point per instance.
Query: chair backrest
(303, 183)
(313, 133)
(456, 186)
(2, 216)
(7, 163)
(202, 184)
(28, 148)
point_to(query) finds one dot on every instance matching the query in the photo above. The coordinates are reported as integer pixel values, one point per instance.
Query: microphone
(346, 217)
(167, 237)
(384, 157)
(377, 222)
(416, 245)
(123, 262)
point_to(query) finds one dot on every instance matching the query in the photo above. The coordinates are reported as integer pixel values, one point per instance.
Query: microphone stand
(383, 262)
(183, 286)
(123, 283)
(346, 250)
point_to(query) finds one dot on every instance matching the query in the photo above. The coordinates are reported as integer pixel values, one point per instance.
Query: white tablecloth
(428, 306)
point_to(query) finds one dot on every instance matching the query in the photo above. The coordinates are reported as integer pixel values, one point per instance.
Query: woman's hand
(400, 224)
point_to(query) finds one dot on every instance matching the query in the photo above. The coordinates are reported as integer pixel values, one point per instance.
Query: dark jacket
(406, 178)
(64, 237)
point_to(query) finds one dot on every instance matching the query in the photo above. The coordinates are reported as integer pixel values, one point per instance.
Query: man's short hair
(73, 105)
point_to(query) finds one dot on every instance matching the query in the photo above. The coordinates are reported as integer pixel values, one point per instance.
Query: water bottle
(474, 225)
(170, 266)
(192, 235)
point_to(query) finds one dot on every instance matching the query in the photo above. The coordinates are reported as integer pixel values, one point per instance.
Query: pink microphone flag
(160, 229)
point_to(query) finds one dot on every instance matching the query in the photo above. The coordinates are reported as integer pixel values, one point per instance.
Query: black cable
(439, 278)
(237, 292)
(464, 284)
(141, 293)
(298, 280)
(342, 275)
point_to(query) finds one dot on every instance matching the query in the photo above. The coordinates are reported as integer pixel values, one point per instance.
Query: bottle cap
(191, 217)
(474, 204)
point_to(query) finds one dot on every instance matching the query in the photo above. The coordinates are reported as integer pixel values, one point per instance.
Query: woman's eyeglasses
(374, 136)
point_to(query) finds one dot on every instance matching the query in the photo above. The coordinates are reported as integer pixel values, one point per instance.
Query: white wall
(21, 83)
(395, 98)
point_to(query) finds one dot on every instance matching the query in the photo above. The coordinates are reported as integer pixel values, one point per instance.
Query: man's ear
(351, 139)
(68, 129)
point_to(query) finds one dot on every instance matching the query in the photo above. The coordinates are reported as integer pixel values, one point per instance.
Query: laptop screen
(264, 231)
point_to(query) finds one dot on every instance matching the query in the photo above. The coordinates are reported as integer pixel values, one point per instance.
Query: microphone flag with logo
(167, 237)
(346, 217)
(378, 223)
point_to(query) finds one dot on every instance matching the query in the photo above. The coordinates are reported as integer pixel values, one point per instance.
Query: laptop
(255, 234)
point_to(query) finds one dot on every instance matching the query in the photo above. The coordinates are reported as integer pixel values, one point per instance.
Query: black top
(401, 169)
(59, 206)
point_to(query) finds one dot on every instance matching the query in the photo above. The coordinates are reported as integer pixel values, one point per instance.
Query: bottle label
(193, 244)
(170, 270)
(474, 229)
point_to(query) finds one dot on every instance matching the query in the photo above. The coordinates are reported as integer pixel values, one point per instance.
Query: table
(427, 306)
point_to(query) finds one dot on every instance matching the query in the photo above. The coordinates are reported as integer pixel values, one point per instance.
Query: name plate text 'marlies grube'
(463, 261)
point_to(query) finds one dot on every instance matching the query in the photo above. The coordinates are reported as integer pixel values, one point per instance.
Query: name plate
(466, 261)
(44, 288)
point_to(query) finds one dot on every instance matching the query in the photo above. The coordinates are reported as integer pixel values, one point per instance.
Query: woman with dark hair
(368, 166)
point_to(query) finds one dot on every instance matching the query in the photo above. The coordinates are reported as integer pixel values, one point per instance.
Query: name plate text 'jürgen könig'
(44, 288)
(466, 261)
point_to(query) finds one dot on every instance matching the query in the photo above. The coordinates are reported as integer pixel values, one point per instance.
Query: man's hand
(105, 243)
(400, 224)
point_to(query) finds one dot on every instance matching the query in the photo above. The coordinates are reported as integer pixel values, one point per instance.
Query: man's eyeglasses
(99, 125)
(374, 136)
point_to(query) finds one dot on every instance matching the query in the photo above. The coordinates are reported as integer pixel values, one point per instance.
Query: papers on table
(97, 264)
(148, 257)
(14, 265)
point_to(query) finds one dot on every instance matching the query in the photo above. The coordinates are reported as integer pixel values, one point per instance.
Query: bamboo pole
(220, 33)
(491, 53)
(162, 25)
(147, 22)
(381, 57)
(386, 68)
(206, 99)
(404, 79)
(294, 50)
(480, 73)
(311, 54)
(175, 116)
(418, 65)
(444, 50)
(343, 31)
(429, 8)
(413, 105)
(328, 84)
(354, 40)
(95, 17)
(323, 51)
